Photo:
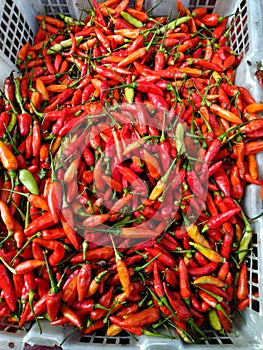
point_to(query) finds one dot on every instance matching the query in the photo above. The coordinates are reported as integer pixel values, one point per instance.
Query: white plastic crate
(18, 25)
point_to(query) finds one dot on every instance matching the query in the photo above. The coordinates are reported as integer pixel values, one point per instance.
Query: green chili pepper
(130, 19)
(129, 94)
(179, 136)
(70, 21)
(214, 320)
(18, 96)
(245, 240)
(172, 25)
(28, 180)
(12, 122)
(63, 45)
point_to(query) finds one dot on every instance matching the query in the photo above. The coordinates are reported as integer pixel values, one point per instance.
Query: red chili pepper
(200, 271)
(242, 304)
(163, 257)
(242, 287)
(41, 223)
(29, 265)
(216, 221)
(24, 123)
(222, 181)
(99, 14)
(83, 281)
(70, 315)
(138, 185)
(105, 301)
(142, 318)
(177, 305)
(7, 288)
(184, 281)
(38, 308)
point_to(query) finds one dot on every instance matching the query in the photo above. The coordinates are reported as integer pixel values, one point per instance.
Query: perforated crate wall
(14, 31)
(246, 37)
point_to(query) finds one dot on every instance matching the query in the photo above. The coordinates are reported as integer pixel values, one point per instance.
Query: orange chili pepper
(141, 52)
(112, 183)
(70, 315)
(22, 53)
(40, 87)
(122, 270)
(242, 287)
(252, 166)
(56, 88)
(7, 216)
(128, 33)
(122, 6)
(139, 4)
(254, 108)
(95, 283)
(7, 157)
(35, 100)
(196, 236)
(51, 20)
(209, 280)
(208, 253)
(225, 114)
(152, 165)
(141, 15)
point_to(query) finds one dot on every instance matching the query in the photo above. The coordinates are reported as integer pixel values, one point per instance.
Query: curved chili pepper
(83, 281)
(41, 223)
(218, 220)
(208, 253)
(7, 288)
(57, 247)
(27, 266)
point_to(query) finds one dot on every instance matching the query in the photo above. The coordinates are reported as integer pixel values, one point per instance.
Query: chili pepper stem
(139, 268)
(15, 150)
(9, 235)
(13, 271)
(30, 300)
(37, 235)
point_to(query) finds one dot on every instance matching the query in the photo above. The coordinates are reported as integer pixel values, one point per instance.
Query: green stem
(139, 268)
(15, 150)
(30, 300)
(37, 235)
(13, 271)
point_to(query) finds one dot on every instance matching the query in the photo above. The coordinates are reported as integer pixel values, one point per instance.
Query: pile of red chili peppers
(129, 130)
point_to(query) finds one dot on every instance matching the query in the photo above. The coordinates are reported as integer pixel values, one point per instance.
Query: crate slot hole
(16, 41)
(243, 12)
(254, 277)
(254, 264)
(213, 341)
(10, 3)
(124, 341)
(5, 17)
(20, 26)
(6, 51)
(85, 340)
(255, 251)
(111, 340)
(255, 305)
(211, 2)
(98, 340)
(254, 238)
(226, 341)
(242, 3)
